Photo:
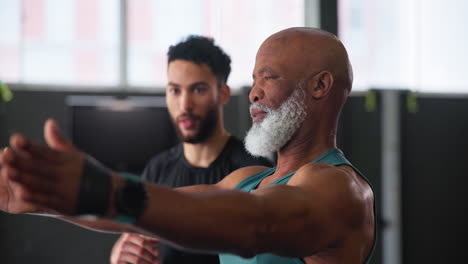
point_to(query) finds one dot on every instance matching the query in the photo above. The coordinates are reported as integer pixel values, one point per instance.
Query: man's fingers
(151, 239)
(38, 151)
(54, 137)
(148, 243)
(140, 252)
(126, 258)
(132, 248)
(38, 191)
(135, 248)
(31, 193)
(32, 182)
(27, 164)
(136, 239)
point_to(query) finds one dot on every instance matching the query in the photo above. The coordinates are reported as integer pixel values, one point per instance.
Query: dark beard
(206, 129)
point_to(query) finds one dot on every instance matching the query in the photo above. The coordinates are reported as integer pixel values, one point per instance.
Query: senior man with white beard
(313, 207)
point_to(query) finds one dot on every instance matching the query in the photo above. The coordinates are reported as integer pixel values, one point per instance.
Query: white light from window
(406, 44)
(238, 27)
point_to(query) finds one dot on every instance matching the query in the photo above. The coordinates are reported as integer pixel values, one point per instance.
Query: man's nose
(256, 94)
(186, 103)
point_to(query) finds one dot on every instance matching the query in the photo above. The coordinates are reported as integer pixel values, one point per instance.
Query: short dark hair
(202, 50)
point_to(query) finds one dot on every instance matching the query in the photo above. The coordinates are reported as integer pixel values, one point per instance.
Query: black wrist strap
(131, 199)
(95, 188)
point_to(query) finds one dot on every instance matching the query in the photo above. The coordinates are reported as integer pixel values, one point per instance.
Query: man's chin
(192, 138)
(188, 138)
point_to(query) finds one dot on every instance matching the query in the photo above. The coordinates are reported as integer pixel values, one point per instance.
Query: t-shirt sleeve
(146, 173)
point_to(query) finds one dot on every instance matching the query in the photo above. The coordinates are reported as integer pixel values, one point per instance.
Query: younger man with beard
(195, 95)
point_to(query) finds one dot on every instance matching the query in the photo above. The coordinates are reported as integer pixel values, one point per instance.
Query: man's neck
(303, 149)
(204, 153)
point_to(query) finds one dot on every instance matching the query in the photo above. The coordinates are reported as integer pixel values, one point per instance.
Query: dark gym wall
(359, 137)
(329, 16)
(434, 179)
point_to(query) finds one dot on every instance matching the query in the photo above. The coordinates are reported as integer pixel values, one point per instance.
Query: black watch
(131, 199)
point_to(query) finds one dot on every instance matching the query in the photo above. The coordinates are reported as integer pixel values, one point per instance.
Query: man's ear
(224, 94)
(321, 84)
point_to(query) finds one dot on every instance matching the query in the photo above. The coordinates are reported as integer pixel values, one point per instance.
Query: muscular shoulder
(340, 186)
(321, 172)
(235, 177)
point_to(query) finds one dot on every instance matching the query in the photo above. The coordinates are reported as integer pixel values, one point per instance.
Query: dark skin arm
(295, 220)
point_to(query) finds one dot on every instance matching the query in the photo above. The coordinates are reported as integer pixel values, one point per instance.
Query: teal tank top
(334, 157)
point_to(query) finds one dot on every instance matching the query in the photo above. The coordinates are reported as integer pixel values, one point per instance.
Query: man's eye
(174, 91)
(271, 77)
(198, 89)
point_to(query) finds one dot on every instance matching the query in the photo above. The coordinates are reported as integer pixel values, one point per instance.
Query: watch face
(131, 199)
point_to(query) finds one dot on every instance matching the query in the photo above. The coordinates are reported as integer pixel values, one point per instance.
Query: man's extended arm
(283, 219)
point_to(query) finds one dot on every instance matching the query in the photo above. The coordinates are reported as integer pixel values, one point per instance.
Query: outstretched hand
(10, 196)
(38, 178)
(135, 248)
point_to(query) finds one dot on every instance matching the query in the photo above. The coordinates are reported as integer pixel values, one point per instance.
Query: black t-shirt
(170, 168)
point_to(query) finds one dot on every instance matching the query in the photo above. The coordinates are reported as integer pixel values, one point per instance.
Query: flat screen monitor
(123, 134)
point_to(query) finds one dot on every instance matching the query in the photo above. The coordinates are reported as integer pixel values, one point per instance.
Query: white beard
(276, 129)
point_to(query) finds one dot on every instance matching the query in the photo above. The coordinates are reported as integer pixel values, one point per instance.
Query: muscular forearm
(211, 220)
(220, 220)
(108, 223)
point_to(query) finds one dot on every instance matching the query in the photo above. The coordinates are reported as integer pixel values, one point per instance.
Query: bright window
(77, 42)
(406, 44)
(238, 26)
(73, 42)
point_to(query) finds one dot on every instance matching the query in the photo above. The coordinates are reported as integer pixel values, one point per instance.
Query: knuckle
(140, 251)
(123, 237)
(128, 237)
(134, 259)
(126, 244)
(147, 243)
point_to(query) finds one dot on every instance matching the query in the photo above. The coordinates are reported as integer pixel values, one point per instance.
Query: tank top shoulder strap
(253, 181)
(331, 157)
(336, 157)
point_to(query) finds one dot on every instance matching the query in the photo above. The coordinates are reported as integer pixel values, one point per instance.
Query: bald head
(305, 51)
(302, 77)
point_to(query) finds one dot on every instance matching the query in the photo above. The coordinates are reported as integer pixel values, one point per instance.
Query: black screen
(122, 138)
